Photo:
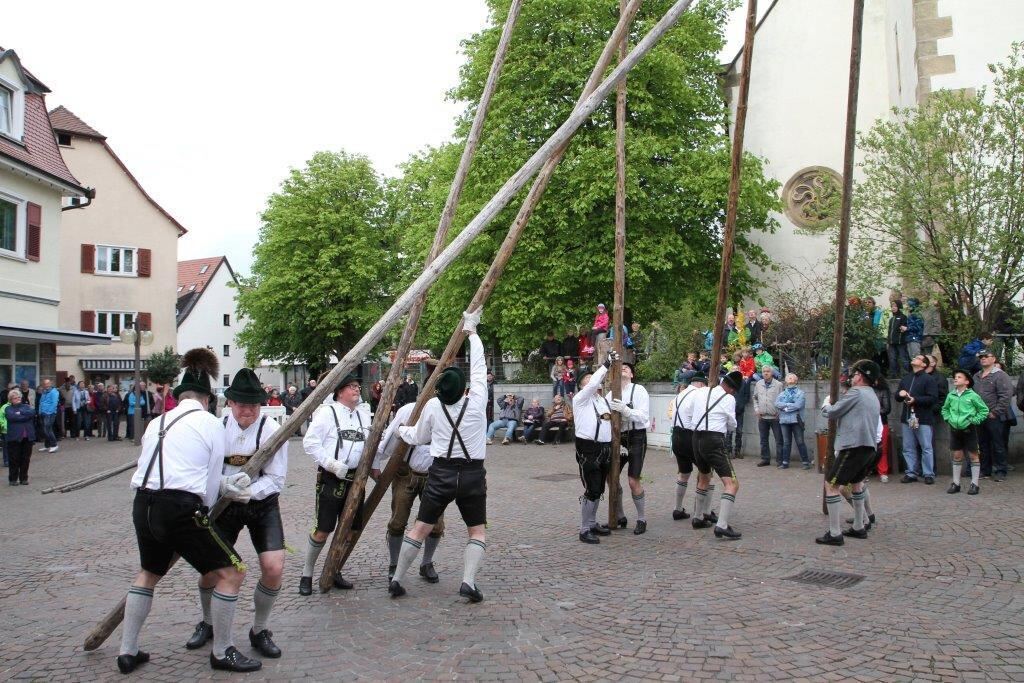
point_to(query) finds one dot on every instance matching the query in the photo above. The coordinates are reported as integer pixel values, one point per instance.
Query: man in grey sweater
(765, 392)
(858, 429)
(996, 389)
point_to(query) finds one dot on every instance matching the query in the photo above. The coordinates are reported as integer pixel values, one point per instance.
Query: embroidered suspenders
(346, 434)
(455, 428)
(158, 452)
(241, 460)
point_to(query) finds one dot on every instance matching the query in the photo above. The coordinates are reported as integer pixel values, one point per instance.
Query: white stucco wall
(204, 326)
(900, 44)
(982, 33)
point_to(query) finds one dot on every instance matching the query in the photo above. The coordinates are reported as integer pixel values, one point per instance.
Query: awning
(110, 364)
(39, 334)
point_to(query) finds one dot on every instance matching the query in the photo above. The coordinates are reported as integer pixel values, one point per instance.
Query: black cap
(345, 381)
(868, 368)
(734, 379)
(698, 377)
(245, 388)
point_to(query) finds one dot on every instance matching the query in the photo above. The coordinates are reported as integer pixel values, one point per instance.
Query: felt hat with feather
(199, 364)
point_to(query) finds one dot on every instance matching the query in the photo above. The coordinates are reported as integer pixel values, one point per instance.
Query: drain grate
(561, 476)
(817, 577)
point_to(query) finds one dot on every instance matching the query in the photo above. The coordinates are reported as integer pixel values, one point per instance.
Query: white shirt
(721, 418)
(433, 428)
(639, 416)
(321, 438)
(684, 406)
(238, 441)
(420, 459)
(193, 453)
(588, 406)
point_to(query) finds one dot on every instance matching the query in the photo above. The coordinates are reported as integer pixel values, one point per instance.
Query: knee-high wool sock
(975, 472)
(222, 609)
(394, 547)
(204, 600)
(312, 552)
(263, 601)
(638, 501)
(680, 493)
(410, 549)
(833, 503)
(858, 510)
(620, 512)
(867, 501)
(957, 467)
(588, 515)
(711, 499)
(728, 500)
(136, 609)
(700, 505)
(429, 546)
(474, 556)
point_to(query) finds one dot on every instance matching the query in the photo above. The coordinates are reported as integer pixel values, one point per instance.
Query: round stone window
(813, 198)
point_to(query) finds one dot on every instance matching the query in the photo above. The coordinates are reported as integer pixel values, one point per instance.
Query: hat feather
(201, 360)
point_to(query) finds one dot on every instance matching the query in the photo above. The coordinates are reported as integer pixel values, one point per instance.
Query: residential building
(206, 312)
(116, 259)
(34, 181)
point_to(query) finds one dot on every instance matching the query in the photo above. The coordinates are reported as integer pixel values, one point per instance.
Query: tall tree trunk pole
(618, 295)
(732, 207)
(844, 221)
(490, 280)
(380, 420)
(430, 275)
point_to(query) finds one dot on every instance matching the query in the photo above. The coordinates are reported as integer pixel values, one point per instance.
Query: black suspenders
(158, 453)
(707, 412)
(676, 421)
(455, 428)
(337, 425)
(597, 417)
(259, 433)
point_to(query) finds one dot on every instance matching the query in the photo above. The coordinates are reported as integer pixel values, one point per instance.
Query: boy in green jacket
(963, 411)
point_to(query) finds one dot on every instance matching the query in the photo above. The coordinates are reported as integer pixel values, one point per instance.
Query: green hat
(199, 364)
(345, 381)
(245, 388)
(451, 385)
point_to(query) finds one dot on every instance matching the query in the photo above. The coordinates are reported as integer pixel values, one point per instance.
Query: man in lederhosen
(593, 427)
(244, 430)
(713, 414)
(409, 483)
(682, 440)
(335, 442)
(179, 476)
(454, 423)
(635, 409)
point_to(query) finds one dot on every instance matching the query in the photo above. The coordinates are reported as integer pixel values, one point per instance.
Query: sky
(210, 104)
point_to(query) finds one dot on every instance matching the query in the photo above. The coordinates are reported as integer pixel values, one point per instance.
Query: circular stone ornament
(812, 198)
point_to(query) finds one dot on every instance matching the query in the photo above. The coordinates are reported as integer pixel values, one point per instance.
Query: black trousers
(19, 454)
(992, 443)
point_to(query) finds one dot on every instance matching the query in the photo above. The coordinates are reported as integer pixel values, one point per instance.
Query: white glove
(236, 487)
(619, 407)
(612, 357)
(337, 468)
(623, 452)
(470, 320)
(827, 403)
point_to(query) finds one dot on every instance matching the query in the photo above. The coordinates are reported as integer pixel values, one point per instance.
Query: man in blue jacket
(918, 393)
(49, 400)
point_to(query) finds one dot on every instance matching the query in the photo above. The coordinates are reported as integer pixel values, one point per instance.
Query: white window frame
(122, 248)
(122, 314)
(17, 131)
(20, 223)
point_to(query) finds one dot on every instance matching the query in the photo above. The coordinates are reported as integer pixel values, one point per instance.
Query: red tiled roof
(65, 121)
(189, 273)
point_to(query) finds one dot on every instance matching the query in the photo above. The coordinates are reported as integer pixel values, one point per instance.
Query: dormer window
(64, 140)
(12, 109)
(6, 110)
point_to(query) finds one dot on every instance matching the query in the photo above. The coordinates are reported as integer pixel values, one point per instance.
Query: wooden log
(618, 294)
(333, 560)
(91, 479)
(732, 206)
(431, 273)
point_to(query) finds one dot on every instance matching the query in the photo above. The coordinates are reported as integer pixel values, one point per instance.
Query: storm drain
(561, 476)
(816, 577)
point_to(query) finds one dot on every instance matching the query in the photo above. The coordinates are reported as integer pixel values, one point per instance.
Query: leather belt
(237, 460)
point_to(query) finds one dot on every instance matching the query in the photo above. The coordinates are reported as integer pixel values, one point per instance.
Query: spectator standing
(766, 390)
(896, 344)
(376, 391)
(639, 350)
(308, 389)
(80, 400)
(557, 374)
(964, 410)
(20, 436)
(731, 333)
(292, 399)
(131, 407)
(533, 418)
(918, 394)
(509, 416)
(406, 393)
(490, 397)
(734, 439)
(996, 389)
(791, 404)
(879, 319)
(915, 333)
(571, 346)
(49, 406)
(99, 400)
(753, 328)
(569, 378)
(942, 390)
(3, 424)
(885, 407)
(550, 348)
(557, 418)
(113, 414)
(28, 394)
(67, 421)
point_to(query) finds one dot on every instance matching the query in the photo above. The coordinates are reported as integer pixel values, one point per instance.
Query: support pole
(430, 274)
(490, 279)
(618, 295)
(732, 207)
(333, 560)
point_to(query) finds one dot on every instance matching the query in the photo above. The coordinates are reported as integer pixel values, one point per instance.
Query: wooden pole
(333, 560)
(431, 273)
(618, 295)
(849, 150)
(490, 279)
(732, 207)
(91, 479)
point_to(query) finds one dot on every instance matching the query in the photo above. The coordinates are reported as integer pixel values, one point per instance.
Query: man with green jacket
(964, 410)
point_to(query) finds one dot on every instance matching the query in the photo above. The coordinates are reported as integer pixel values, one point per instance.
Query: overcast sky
(211, 103)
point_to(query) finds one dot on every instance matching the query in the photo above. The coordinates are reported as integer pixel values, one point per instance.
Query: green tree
(322, 263)
(678, 168)
(941, 205)
(163, 367)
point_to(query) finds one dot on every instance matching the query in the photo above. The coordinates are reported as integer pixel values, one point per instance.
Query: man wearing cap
(635, 409)
(244, 430)
(682, 440)
(996, 390)
(918, 393)
(858, 431)
(713, 414)
(335, 442)
(178, 477)
(454, 424)
(593, 427)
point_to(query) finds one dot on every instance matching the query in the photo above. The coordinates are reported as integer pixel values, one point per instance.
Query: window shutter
(35, 231)
(88, 258)
(88, 321)
(145, 262)
(62, 377)
(145, 321)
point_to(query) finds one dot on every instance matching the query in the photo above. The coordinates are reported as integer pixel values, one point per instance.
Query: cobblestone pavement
(941, 598)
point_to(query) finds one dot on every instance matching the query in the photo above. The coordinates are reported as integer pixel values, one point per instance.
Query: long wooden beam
(380, 420)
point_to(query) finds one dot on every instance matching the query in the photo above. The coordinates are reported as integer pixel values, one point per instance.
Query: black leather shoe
(855, 533)
(427, 572)
(264, 644)
(953, 488)
(589, 537)
(395, 589)
(340, 582)
(600, 530)
(764, 463)
(680, 514)
(712, 517)
(306, 585)
(727, 533)
(640, 528)
(623, 522)
(829, 539)
(700, 523)
(907, 479)
(128, 663)
(867, 525)
(471, 592)
(235, 661)
(203, 634)
(929, 480)
(391, 571)
(973, 490)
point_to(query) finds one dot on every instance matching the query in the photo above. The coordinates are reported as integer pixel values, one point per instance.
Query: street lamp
(138, 339)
